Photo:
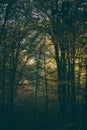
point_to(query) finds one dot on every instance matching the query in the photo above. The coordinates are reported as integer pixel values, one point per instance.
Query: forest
(43, 65)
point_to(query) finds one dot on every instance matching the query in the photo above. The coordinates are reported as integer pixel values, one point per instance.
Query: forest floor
(24, 121)
(24, 118)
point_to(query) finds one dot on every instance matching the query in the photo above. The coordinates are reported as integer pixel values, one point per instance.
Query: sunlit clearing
(30, 62)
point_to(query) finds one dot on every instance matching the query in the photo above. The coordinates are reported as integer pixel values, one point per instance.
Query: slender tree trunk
(37, 83)
(63, 77)
(3, 77)
(12, 79)
(55, 27)
(73, 87)
(45, 78)
(68, 90)
(13, 69)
